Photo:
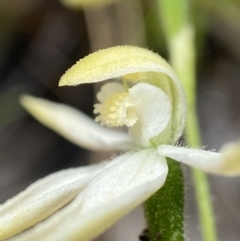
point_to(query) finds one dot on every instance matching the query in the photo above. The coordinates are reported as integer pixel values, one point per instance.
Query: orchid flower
(80, 203)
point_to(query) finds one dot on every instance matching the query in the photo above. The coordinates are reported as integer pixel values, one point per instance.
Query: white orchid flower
(80, 203)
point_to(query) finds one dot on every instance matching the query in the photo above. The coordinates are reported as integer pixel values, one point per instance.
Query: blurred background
(40, 40)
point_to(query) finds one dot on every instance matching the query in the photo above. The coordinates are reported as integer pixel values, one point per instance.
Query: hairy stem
(164, 210)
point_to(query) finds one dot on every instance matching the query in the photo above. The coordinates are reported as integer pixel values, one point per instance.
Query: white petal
(226, 163)
(129, 181)
(153, 112)
(75, 126)
(43, 198)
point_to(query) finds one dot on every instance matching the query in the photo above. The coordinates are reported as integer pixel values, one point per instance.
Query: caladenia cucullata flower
(80, 203)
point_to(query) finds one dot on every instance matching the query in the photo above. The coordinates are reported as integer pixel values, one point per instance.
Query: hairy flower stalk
(81, 203)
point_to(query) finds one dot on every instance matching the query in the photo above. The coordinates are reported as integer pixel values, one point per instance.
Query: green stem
(180, 40)
(164, 211)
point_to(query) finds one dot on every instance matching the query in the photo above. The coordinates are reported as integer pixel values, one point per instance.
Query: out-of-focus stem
(180, 39)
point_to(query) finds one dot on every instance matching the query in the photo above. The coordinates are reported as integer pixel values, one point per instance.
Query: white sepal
(226, 163)
(130, 180)
(43, 198)
(75, 126)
